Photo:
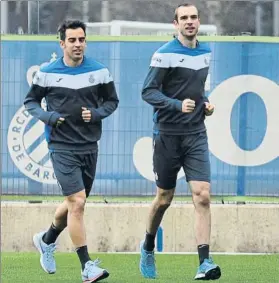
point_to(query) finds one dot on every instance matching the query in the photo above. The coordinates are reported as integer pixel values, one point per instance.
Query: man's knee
(201, 193)
(204, 198)
(164, 198)
(76, 202)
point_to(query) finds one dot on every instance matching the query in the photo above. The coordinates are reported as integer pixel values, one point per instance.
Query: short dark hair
(184, 5)
(70, 24)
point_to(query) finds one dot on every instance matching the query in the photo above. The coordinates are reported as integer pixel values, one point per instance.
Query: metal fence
(243, 134)
(231, 17)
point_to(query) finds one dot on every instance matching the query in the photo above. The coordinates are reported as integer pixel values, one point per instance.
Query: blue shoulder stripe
(58, 67)
(176, 47)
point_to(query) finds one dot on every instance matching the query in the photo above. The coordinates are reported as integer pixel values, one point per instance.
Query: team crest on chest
(91, 79)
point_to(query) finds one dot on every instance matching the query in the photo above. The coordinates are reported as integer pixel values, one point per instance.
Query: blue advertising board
(243, 132)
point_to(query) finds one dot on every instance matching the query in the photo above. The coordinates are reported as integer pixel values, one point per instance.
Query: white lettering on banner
(27, 157)
(20, 140)
(221, 142)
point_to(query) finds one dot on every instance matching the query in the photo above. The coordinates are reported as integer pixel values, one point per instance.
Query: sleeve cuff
(95, 116)
(54, 116)
(205, 99)
(178, 105)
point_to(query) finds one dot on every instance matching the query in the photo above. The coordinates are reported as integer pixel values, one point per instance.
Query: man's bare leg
(207, 270)
(45, 241)
(201, 200)
(58, 225)
(158, 207)
(157, 210)
(76, 204)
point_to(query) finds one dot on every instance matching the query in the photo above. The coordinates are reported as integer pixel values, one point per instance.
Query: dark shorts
(74, 172)
(173, 152)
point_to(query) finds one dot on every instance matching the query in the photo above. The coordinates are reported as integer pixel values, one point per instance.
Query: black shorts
(171, 152)
(74, 172)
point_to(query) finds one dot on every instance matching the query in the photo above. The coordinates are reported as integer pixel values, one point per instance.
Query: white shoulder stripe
(107, 76)
(160, 60)
(39, 78)
(173, 60)
(73, 81)
(190, 62)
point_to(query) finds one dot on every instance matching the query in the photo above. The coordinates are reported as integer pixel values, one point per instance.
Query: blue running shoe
(47, 253)
(93, 273)
(147, 263)
(208, 270)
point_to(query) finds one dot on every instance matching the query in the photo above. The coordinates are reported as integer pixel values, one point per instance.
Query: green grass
(123, 268)
(267, 39)
(113, 199)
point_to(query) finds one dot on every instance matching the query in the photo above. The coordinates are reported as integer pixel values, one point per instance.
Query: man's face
(74, 44)
(188, 21)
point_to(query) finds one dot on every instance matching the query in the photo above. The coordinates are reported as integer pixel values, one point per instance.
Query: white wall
(120, 227)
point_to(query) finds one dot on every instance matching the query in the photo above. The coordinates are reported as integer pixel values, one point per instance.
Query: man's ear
(62, 43)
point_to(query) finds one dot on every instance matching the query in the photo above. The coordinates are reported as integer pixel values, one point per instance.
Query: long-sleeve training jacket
(66, 90)
(176, 73)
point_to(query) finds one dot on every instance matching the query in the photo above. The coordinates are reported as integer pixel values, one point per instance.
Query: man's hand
(209, 109)
(188, 105)
(60, 121)
(86, 114)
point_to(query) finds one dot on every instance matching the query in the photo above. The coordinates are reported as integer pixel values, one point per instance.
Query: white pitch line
(192, 253)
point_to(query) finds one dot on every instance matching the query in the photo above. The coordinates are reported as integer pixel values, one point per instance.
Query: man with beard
(174, 86)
